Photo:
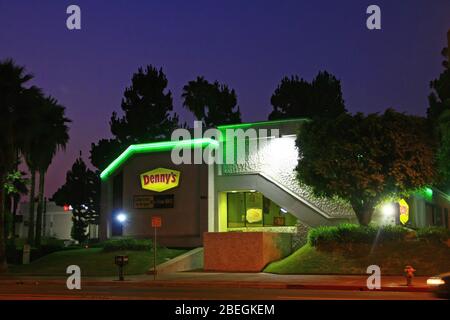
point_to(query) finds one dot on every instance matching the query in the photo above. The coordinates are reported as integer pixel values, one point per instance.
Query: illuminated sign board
(157, 201)
(160, 179)
(404, 211)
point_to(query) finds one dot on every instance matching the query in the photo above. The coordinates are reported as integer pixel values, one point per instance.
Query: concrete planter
(244, 251)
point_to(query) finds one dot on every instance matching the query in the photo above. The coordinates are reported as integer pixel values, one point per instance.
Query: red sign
(156, 222)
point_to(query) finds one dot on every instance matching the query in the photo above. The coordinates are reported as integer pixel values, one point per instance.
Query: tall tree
(439, 98)
(105, 151)
(438, 114)
(365, 159)
(15, 103)
(31, 148)
(213, 103)
(51, 135)
(297, 98)
(81, 191)
(147, 106)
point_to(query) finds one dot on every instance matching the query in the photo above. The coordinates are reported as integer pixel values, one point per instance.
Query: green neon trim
(155, 147)
(191, 143)
(260, 123)
(428, 192)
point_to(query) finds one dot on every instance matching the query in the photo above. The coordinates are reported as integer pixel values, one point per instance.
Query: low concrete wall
(243, 251)
(190, 260)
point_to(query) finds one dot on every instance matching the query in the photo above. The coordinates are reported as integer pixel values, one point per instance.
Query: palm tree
(30, 149)
(14, 98)
(18, 188)
(52, 136)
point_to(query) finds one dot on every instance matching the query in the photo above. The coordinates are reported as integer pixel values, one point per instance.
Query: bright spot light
(388, 209)
(121, 217)
(283, 210)
(435, 281)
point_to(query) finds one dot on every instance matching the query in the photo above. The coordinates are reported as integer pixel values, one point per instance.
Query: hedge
(126, 244)
(437, 234)
(352, 233)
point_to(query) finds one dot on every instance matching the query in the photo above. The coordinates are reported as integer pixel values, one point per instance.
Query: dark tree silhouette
(297, 98)
(16, 101)
(213, 103)
(82, 191)
(439, 98)
(148, 116)
(52, 135)
(438, 114)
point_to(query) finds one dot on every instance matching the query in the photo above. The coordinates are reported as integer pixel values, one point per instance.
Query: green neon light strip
(260, 123)
(192, 143)
(428, 193)
(155, 147)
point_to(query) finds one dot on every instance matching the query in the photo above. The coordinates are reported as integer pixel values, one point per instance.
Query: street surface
(118, 292)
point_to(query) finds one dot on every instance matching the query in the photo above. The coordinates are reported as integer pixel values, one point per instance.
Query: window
(446, 217)
(252, 209)
(437, 216)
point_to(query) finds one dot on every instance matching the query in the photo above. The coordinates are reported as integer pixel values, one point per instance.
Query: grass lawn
(94, 262)
(427, 258)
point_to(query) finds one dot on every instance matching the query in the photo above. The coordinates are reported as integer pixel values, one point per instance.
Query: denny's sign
(160, 179)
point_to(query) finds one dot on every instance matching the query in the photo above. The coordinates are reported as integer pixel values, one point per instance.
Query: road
(58, 292)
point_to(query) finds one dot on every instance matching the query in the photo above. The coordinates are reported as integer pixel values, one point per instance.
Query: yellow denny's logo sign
(404, 211)
(160, 179)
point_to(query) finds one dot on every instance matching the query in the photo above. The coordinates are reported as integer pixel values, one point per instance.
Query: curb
(221, 284)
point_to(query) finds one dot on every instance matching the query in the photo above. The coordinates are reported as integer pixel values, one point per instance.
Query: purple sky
(249, 45)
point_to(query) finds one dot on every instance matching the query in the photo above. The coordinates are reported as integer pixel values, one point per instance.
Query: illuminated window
(252, 209)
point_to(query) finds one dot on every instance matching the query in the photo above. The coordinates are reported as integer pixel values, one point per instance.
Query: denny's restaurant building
(251, 212)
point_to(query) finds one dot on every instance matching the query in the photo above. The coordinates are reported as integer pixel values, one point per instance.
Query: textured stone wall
(277, 160)
(300, 237)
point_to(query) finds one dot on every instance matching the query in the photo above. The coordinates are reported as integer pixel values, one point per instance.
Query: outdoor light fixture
(388, 209)
(121, 217)
(283, 210)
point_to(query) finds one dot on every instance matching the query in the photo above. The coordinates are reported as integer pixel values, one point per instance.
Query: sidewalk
(235, 280)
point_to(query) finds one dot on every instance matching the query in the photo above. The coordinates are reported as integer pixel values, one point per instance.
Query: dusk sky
(249, 45)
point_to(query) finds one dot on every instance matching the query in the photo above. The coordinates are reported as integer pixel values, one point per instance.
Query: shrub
(435, 234)
(126, 244)
(352, 233)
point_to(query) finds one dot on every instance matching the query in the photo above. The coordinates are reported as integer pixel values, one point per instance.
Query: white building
(57, 221)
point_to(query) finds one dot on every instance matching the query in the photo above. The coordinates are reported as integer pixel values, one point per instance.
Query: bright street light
(121, 217)
(388, 209)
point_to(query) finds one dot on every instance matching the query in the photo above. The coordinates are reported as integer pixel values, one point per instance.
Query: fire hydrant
(409, 275)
